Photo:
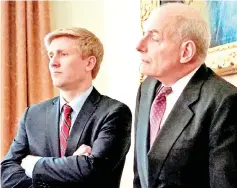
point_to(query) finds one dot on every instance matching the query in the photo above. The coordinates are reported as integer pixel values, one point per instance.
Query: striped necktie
(65, 128)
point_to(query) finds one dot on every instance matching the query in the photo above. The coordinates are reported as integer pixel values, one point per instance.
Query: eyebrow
(154, 31)
(58, 51)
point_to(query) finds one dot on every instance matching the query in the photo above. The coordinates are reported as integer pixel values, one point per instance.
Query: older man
(186, 125)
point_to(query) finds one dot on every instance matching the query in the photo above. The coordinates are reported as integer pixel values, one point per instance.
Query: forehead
(62, 43)
(155, 22)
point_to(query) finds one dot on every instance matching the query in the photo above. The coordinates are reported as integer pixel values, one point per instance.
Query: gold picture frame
(221, 59)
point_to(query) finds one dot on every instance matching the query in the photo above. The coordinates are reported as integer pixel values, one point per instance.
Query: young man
(186, 125)
(79, 139)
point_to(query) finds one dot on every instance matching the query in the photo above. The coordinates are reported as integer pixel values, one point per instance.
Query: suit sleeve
(136, 180)
(13, 175)
(108, 151)
(223, 145)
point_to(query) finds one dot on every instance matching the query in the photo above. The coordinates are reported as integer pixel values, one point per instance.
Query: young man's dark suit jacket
(197, 145)
(103, 123)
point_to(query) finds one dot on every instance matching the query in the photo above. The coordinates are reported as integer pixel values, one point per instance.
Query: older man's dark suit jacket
(103, 123)
(197, 145)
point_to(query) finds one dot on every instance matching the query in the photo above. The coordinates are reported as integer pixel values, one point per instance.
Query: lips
(55, 73)
(145, 61)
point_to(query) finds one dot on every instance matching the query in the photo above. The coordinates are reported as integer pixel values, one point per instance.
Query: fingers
(83, 150)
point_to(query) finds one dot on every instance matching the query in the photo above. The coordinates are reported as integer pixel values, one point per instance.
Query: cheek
(77, 70)
(156, 59)
(72, 67)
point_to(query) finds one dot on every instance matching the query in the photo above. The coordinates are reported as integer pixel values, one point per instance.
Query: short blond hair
(88, 43)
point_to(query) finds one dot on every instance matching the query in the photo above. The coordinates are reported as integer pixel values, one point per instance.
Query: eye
(155, 37)
(50, 56)
(64, 54)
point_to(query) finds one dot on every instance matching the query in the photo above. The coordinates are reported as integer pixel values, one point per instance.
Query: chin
(144, 72)
(145, 69)
(57, 84)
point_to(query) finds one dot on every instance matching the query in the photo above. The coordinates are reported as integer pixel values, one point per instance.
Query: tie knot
(164, 91)
(67, 109)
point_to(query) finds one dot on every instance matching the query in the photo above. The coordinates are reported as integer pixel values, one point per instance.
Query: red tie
(65, 128)
(157, 112)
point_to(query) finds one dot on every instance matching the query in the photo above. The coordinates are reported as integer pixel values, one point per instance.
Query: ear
(188, 50)
(91, 63)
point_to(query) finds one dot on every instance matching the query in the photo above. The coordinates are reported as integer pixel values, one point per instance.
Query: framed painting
(222, 18)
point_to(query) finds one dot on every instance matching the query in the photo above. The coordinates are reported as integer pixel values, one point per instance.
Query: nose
(142, 45)
(54, 62)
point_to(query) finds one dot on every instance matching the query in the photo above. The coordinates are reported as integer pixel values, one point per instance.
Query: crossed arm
(109, 149)
(29, 161)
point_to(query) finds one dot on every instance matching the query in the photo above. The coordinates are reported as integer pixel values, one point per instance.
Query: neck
(183, 71)
(71, 94)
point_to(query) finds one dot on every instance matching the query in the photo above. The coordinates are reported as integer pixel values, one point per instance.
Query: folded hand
(83, 150)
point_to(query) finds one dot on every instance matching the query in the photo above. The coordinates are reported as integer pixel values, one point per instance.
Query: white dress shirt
(177, 89)
(76, 104)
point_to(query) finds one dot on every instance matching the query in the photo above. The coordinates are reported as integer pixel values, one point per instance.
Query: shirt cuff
(31, 165)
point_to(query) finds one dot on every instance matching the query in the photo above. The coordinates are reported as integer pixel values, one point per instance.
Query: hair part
(88, 44)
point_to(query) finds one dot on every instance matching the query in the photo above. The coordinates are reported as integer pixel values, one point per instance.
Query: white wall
(83, 13)
(122, 31)
(117, 24)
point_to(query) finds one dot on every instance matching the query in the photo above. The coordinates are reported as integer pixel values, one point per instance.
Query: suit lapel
(176, 122)
(147, 91)
(52, 122)
(84, 115)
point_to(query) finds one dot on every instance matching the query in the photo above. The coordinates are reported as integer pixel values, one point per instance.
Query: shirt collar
(179, 86)
(76, 103)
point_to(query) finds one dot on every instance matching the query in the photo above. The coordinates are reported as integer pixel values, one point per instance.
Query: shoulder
(148, 84)
(148, 81)
(44, 104)
(35, 110)
(111, 104)
(214, 92)
(104, 101)
(218, 87)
